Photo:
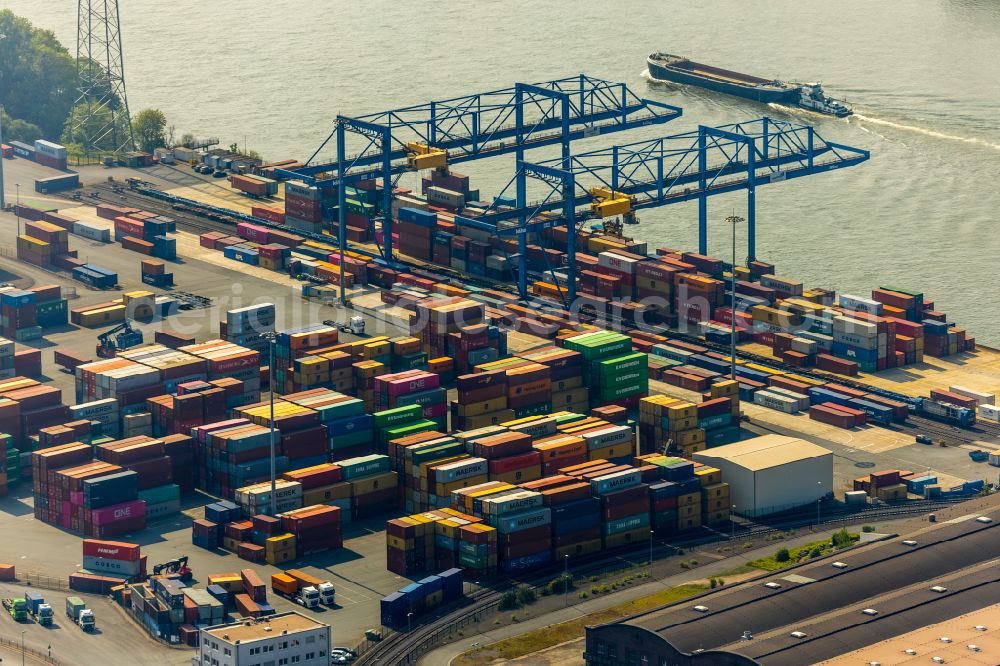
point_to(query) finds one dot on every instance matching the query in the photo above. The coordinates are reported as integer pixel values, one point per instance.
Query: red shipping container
(114, 550)
(826, 414)
(512, 463)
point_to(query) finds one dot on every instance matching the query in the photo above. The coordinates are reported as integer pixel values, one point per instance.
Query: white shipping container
(860, 304)
(854, 327)
(185, 154)
(607, 437)
(979, 396)
(802, 400)
(6, 348)
(989, 412)
(995, 459)
(782, 403)
(517, 501)
(859, 341)
(138, 420)
(804, 346)
(445, 196)
(92, 231)
(50, 149)
(538, 428)
(94, 410)
(617, 262)
(823, 342)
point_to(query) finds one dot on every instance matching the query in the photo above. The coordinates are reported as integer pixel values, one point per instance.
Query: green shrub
(526, 594)
(841, 538)
(508, 600)
(867, 528)
(782, 555)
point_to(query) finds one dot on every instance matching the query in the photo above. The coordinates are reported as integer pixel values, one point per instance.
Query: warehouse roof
(819, 588)
(764, 452)
(275, 625)
(978, 629)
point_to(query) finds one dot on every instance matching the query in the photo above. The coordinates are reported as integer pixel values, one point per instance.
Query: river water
(921, 74)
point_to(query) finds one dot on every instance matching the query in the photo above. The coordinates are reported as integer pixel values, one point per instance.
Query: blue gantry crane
(472, 127)
(693, 165)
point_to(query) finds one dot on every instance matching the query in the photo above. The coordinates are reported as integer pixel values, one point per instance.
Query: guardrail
(36, 655)
(35, 579)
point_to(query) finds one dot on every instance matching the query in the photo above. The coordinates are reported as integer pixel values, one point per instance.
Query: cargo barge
(678, 69)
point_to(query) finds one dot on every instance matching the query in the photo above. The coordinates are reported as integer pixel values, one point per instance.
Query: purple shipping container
(118, 512)
(412, 384)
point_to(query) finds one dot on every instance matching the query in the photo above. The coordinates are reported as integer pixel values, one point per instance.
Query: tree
(841, 538)
(18, 130)
(782, 555)
(101, 118)
(148, 128)
(38, 76)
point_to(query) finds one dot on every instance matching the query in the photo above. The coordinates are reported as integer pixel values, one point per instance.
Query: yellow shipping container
(684, 410)
(578, 549)
(372, 483)
(492, 418)
(445, 489)
(279, 543)
(709, 476)
(724, 389)
(520, 475)
(228, 583)
(640, 535)
(691, 499)
(324, 494)
(614, 451)
(685, 438)
(484, 407)
(106, 315)
(279, 557)
(564, 399)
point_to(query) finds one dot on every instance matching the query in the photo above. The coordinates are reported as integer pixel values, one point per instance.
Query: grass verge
(540, 639)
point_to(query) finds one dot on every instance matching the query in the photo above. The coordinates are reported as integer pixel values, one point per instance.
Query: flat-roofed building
(278, 640)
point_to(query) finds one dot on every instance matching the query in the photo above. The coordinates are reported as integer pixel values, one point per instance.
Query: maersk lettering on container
(607, 437)
(616, 481)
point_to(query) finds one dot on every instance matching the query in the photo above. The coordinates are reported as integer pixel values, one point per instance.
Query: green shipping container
(160, 494)
(387, 434)
(340, 410)
(622, 364)
(397, 415)
(437, 453)
(620, 391)
(410, 361)
(353, 468)
(533, 410)
(626, 524)
(351, 439)
(600, 345)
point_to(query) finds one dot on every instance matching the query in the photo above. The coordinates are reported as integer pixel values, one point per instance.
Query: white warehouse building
(772, 473)
(286, 638)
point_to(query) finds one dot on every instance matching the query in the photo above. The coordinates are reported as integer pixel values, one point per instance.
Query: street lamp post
(17, 208)
(733, 219)
(22, 647)
(732, 519)
(409, 624)
(270, 385)
(650, 554)
(565, 580)
(818, 500)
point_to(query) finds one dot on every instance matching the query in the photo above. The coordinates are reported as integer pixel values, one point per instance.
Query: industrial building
(287, 638)
(822, 609)
(772, 473)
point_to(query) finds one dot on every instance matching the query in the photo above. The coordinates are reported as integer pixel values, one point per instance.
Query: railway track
(405, 648)
(200, 217)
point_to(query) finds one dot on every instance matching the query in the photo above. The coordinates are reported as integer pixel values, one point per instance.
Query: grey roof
(873, 570)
